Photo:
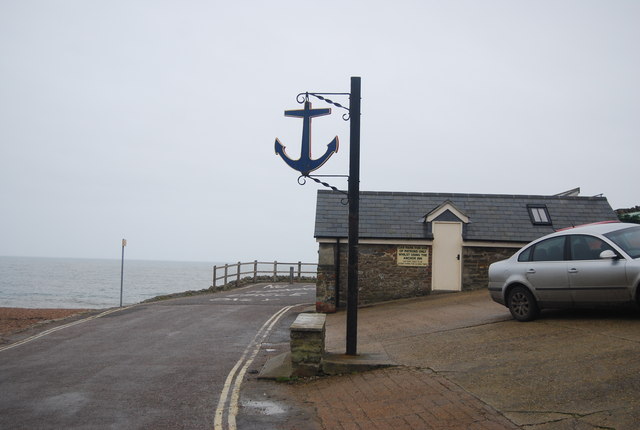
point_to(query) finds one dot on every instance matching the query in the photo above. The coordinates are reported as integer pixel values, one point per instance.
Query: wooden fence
(233, 272)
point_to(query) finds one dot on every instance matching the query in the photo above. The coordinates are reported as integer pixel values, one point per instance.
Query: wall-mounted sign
(413, 255)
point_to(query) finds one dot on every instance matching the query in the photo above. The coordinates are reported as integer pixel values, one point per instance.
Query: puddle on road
(273, 347)
(264, 407)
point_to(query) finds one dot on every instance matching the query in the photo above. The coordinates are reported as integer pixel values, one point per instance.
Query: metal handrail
(239, 274)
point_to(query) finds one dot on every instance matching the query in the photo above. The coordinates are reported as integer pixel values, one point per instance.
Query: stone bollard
(307, 344)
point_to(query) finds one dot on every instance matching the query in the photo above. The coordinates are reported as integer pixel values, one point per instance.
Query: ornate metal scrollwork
(303, 97)
(302, 180)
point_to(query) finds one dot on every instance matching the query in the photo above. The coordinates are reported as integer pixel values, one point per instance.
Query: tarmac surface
(460, 362)
(463, 363)
(174, 364)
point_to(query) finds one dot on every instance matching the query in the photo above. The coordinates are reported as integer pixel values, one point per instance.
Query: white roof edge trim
(378, 241)
(479, 244)
(446, 206)
(471, 243)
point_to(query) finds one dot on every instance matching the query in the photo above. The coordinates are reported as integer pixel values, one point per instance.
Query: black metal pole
(354, 217)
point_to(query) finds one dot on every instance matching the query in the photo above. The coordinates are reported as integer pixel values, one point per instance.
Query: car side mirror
(608, 254)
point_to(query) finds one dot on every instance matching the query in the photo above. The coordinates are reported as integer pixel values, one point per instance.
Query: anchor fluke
(306, 165)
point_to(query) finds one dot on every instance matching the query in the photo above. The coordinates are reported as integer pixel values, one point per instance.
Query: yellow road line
(235, 394)
(224, 395)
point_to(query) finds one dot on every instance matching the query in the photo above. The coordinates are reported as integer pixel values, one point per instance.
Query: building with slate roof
(412, 244)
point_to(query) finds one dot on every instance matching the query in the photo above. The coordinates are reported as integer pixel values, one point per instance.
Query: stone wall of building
(380, 278)
(475, 264)
(326, 278)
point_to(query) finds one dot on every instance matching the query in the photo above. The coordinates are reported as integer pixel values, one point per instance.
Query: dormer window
(539, 214)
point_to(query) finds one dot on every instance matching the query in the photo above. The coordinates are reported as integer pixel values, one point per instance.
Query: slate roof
(492, 217)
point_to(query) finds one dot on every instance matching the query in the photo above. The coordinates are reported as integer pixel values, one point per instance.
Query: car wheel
(522, 304)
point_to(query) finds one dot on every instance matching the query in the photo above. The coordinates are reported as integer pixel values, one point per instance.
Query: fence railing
(233, 272)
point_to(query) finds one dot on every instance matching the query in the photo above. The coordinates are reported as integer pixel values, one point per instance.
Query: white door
(447, 256)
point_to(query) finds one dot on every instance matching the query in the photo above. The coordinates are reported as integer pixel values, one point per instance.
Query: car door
(593, 279)
(547, 272)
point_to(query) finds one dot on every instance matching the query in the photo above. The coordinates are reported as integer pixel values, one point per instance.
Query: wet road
(171, 364)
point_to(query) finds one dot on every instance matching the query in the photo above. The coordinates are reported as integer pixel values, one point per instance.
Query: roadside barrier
(273, 270)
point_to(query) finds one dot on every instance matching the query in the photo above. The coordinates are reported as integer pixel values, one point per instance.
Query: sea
(30, 282)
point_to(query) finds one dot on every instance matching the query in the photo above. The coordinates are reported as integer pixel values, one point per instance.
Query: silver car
(587, 266)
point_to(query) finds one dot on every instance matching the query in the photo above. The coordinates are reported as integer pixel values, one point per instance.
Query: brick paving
(398, 398)
(463, 363)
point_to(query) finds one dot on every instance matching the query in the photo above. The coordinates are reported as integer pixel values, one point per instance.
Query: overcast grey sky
(156, 120)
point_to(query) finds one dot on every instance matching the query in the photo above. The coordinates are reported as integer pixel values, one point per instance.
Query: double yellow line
(231, 390)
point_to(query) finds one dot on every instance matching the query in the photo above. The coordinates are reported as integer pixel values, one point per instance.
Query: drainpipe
(336, 264)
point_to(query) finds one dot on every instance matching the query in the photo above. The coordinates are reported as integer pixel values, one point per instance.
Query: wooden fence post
(275, 271)
(214, 278)
(299, 270)
(226, 266)
(238, 275)
(255, 271)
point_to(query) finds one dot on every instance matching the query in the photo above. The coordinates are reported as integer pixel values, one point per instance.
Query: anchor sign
(305, 164)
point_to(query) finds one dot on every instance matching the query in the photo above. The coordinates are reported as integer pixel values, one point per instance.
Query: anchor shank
(305, 149)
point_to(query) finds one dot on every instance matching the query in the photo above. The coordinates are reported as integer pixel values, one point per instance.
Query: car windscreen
(628, 239)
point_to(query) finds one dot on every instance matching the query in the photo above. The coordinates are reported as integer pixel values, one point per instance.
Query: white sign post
(124, 243)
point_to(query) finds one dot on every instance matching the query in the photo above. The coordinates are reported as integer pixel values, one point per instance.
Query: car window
(627, 239)
(585, 247)
(549, 250)
(525, 255)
